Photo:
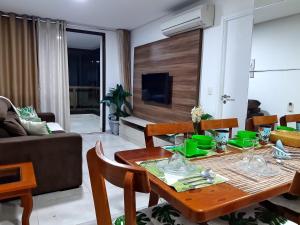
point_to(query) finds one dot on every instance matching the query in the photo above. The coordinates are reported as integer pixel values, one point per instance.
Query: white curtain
(53, 70)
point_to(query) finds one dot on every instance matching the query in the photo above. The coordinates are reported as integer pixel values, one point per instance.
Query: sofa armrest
(48, 117)
(56, 158)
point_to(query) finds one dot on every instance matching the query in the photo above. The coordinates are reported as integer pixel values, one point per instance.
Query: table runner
(251, 184)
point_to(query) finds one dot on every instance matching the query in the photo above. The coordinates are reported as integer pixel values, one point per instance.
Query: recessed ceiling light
(80, 0)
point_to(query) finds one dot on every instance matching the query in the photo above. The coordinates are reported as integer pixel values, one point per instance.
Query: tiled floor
(85, 123)
(74, 206)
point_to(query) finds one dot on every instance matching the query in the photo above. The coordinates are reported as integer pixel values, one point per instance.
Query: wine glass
(248, 151)
(179, 139)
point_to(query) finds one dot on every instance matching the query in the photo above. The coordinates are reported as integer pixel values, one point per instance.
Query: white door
(236, 59)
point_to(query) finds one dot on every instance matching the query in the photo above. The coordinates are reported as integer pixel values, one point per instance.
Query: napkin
(279, 151)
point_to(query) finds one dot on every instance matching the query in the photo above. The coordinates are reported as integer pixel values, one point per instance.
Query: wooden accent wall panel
(181, 57)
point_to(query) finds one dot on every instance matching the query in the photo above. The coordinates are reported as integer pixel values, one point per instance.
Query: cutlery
(209, 180)
(208, 173)
(190, 178)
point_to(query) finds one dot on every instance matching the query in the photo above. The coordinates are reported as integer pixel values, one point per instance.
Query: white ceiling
(266, 10)
(126, 14)
(83, 41)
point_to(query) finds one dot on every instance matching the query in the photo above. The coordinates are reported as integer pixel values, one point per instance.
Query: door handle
(225, 98)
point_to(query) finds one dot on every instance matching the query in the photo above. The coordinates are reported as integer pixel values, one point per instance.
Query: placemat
(224, 166)
(170, 148)
(175, 180)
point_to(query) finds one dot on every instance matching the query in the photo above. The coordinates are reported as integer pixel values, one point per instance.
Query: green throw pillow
(28, 113)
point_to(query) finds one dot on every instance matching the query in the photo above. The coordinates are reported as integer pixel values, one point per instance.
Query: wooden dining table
(203, 204)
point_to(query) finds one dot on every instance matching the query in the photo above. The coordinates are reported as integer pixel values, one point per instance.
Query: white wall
(276, 46)
(212, 49)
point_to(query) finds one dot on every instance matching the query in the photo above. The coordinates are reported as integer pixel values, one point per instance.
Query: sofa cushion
(12, 125)
(35, 128)
(28, 113)
(3, 109)
(3, 132)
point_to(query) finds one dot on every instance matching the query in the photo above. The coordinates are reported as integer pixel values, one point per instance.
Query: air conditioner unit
(198, 17)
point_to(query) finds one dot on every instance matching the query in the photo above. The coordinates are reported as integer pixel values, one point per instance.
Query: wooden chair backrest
(131, 179)
(219, 124)
(295, 186)
(289, 119)
(249, 125)
(264, 120)
(165, 128)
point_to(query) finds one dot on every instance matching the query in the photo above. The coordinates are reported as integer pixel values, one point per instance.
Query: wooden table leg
(26, 203)
(153, 199)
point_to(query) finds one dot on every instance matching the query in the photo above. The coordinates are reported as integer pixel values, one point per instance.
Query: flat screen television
(156, 87)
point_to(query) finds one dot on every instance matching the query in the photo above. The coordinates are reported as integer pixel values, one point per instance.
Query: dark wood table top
(204, 204)
(25, 182)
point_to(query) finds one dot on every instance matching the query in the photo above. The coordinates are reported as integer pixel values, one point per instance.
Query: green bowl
(241, 134)
(239, 143)
(285, 128)
(201, 152)
(196, 153)
(206, 147)
(202, 139)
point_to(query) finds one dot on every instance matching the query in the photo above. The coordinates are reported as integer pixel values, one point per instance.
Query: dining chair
(158, 129)
(219, 124)
(134, 179)
(284, 120)
(287, 205)
(257, 121)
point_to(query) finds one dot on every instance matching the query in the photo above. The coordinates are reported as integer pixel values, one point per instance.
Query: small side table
(17, 181)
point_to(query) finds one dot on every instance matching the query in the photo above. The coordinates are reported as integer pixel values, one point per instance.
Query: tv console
(132, 129)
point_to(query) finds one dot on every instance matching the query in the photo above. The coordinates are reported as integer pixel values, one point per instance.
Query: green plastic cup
(190, 147)
(202, 139)
(242, 134)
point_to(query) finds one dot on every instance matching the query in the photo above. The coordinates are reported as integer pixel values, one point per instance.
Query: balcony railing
(85, 99)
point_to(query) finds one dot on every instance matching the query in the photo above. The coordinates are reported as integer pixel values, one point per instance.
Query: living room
(95, 96)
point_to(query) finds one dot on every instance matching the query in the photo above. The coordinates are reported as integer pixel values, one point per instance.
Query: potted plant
(116, 100)
(198, 115)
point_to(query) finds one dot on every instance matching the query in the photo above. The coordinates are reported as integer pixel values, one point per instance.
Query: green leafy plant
(206, 116)
(269, 217)
(198, 114)
(141, 219)
(165, 214)
(117, 97)
(239, 219)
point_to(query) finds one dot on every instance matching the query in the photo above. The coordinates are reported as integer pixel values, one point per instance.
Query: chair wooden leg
(153, 200)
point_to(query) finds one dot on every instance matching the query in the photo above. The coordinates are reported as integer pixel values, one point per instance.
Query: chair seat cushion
(292, 204)
(165, 214)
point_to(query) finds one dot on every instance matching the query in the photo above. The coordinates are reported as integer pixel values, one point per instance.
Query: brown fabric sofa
(57, 158)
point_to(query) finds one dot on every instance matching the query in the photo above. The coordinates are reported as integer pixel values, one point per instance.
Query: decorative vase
(221, 138)
(196, 127)
(114, 126)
